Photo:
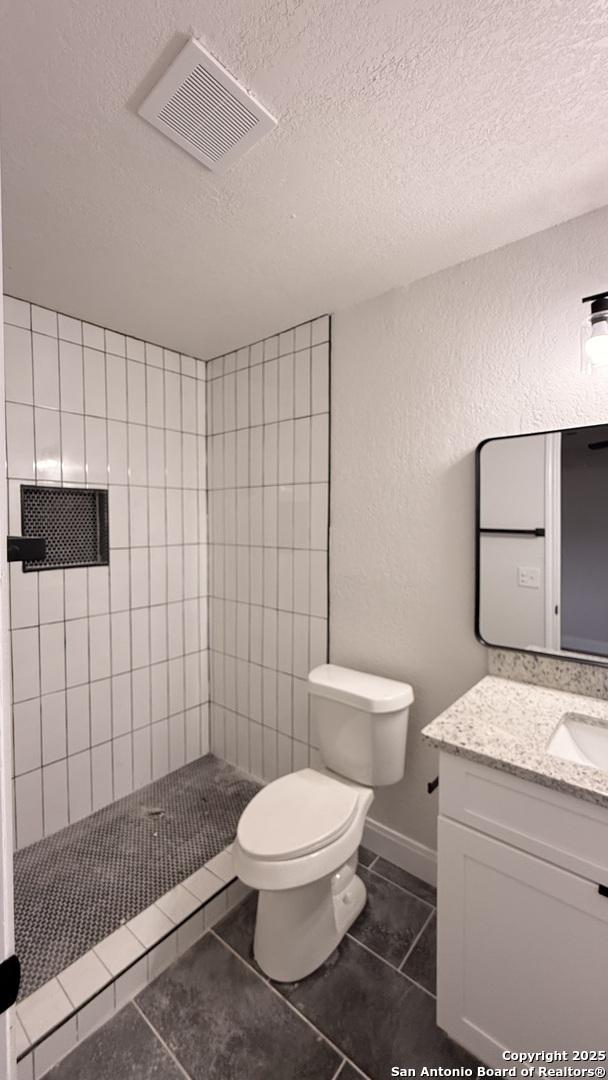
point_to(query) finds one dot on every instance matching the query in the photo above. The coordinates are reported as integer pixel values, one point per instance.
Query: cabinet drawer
(554, 826)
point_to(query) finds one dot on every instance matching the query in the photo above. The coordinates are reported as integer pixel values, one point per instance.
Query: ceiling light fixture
(594, 334)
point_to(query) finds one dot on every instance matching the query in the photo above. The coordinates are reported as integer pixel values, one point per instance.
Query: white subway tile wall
(110, 664)
(268, 480)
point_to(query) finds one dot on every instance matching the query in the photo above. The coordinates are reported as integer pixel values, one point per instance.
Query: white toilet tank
(361, 721)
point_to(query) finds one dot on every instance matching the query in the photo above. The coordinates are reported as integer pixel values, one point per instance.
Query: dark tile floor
(214, 1016)
(78, 885)
(126, 1046)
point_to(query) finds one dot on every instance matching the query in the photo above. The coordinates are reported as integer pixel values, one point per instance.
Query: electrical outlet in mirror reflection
(528, 577)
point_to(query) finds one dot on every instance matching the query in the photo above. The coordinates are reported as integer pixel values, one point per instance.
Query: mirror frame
(583, 658)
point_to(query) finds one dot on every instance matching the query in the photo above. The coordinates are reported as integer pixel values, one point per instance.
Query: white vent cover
(198, 105)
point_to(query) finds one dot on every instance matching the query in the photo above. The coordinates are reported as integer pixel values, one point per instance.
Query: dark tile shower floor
(213, 1015)
(78, 885)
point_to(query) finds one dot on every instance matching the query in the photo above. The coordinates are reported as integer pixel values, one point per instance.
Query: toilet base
(297, 929)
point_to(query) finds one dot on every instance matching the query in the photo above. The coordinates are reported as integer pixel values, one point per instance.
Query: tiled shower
(268, 477)
(135, 671)
(113, 682)
(110, 663)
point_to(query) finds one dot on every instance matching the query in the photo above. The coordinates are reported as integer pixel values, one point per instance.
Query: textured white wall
(419, 377)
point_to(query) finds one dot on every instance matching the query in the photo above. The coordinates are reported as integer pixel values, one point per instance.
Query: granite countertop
(507, 725)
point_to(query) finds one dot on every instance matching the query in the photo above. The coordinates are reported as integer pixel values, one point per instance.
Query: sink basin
(580, 739)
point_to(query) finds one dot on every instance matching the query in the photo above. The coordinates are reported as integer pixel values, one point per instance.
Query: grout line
(267, 982)
(416, 940)
(112, 330)
(166, 568)
(260, 363)
(183, 557)
(148, 583)
(389, 965)
(149, 574)
(107, 742)
(63, 580)
(120, 610)
(402, 889)
(367, 949)
(87, 616)
(129, 522)
(175, 1060)
(419, 985)
(260, 341)
(207, 445)
(110, 610)
(342, 1069)
(10, 579)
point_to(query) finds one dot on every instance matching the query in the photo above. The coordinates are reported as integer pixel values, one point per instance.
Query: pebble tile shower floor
(75, 887)
(213, 1015)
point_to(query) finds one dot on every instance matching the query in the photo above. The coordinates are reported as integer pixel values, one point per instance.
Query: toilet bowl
(297, 839)
(297, 843)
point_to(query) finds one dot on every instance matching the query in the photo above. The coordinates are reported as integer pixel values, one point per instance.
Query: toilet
(298, 838)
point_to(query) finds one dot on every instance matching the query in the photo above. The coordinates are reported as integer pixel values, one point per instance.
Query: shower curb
(49, 1023)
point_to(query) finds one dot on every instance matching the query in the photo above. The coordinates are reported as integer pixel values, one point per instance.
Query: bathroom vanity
(523, 870)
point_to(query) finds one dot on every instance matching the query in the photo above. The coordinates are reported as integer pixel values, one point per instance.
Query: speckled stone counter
(555, 672)
(507, 725)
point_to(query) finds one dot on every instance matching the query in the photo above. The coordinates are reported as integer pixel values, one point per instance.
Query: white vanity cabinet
(522, 925)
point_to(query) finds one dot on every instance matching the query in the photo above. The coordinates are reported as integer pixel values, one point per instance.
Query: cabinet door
(522, 950)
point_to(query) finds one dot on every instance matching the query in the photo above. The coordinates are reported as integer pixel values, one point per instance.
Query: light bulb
(596, 345)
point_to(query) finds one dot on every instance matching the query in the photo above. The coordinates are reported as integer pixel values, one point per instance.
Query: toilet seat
(278, 823)
(297, 815)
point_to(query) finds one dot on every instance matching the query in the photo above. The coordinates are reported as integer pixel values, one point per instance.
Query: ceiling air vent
(198, 105)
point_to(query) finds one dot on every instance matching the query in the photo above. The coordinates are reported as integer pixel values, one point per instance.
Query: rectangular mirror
(542, 542)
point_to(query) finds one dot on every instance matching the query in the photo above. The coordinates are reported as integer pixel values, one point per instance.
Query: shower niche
(73, 522)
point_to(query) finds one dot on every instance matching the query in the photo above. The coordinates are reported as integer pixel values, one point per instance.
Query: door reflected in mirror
(542, 542)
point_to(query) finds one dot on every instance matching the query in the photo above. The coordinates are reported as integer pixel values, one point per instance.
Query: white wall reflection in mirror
(542, 542)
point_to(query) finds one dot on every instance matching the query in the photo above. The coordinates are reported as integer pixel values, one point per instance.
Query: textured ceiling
(412, 134)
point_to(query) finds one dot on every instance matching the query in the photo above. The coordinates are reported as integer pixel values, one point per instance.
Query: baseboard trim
(402, 850)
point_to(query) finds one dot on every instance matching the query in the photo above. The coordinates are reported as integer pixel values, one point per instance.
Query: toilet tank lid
(371, 693)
